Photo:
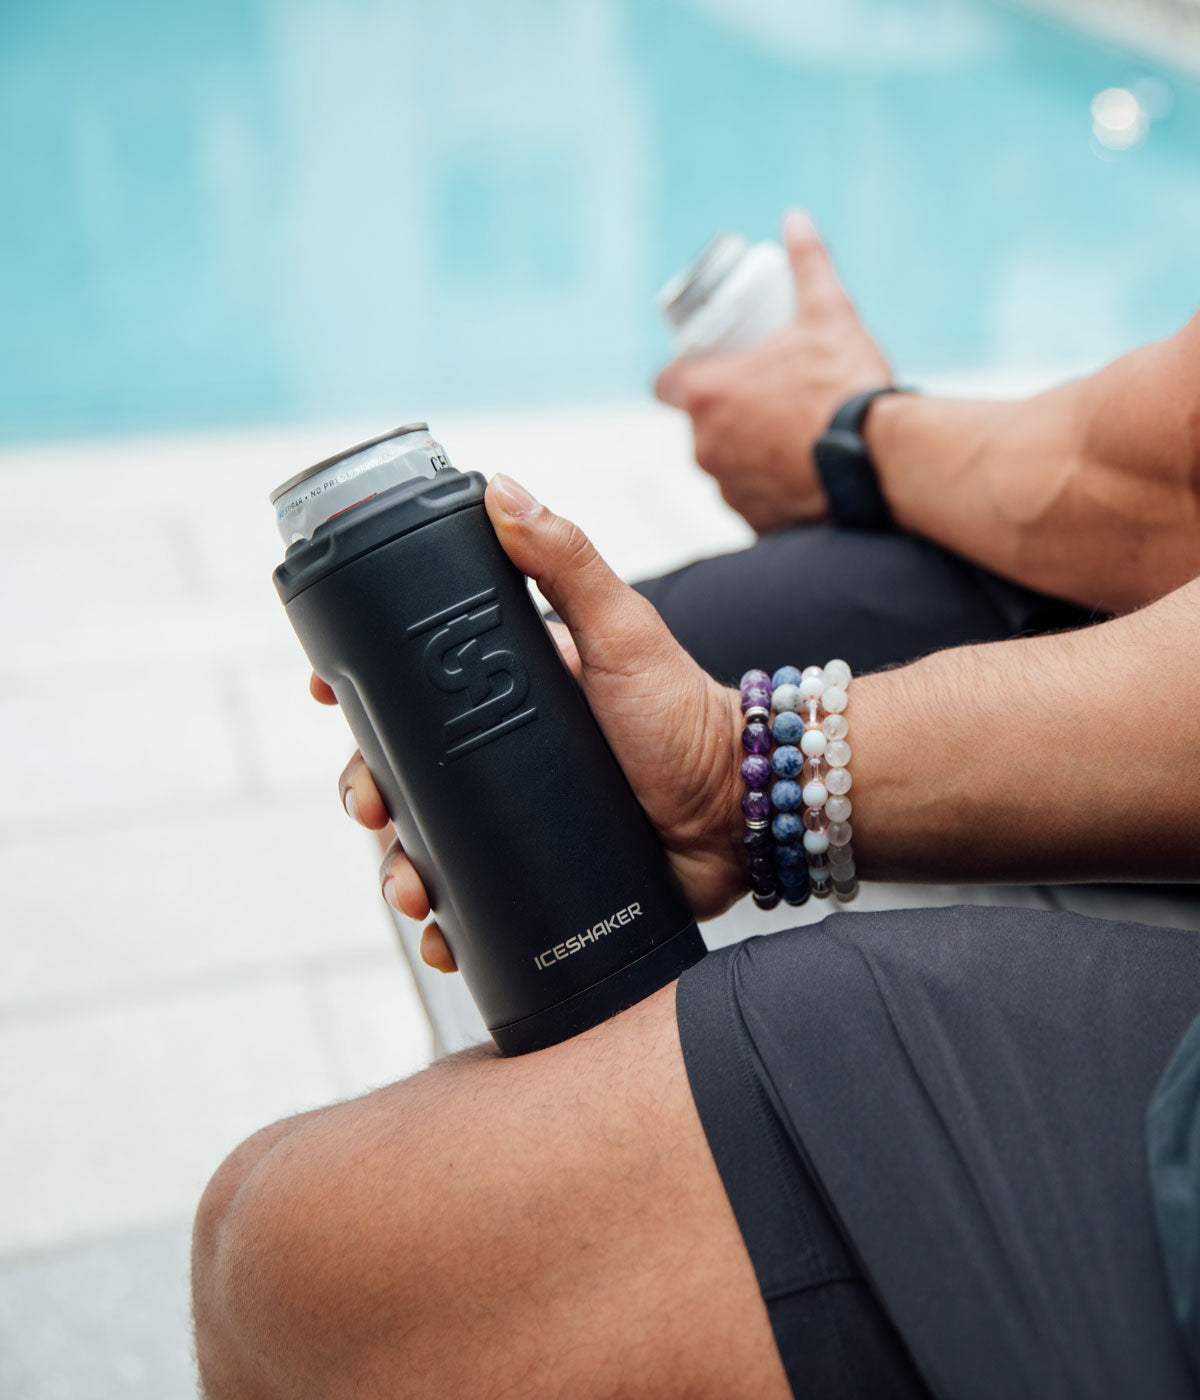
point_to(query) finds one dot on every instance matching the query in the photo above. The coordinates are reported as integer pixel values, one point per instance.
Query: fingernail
(389, 893)
(514, 498)
(350, 802)
(799, 225)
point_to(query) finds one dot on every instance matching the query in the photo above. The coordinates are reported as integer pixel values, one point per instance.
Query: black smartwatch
(846, 470)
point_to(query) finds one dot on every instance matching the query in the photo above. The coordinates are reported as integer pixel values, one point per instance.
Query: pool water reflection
(222, 211)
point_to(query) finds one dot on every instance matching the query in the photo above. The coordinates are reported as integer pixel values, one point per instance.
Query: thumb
(612, 626)
(812, 268)
(674, 384)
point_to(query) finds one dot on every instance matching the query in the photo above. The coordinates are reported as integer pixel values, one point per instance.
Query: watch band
(845, 467)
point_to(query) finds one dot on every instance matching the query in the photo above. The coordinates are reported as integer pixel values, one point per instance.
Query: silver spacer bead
(758, 712)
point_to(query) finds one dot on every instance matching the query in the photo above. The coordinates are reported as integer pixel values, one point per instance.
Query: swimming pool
(226, 211)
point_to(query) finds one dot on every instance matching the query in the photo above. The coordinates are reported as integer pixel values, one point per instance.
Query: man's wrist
(886, 430)
(879, 425)
(924, 450)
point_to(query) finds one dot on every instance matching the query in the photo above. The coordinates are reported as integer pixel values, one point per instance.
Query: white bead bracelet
(826, 781)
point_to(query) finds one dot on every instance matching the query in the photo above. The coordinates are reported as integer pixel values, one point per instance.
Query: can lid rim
(300, 476)
(680, 296)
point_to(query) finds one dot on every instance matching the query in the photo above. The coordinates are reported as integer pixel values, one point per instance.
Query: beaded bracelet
(786, 794)
(809, 853)
(775, 856)
(756, 803)
(821, 697)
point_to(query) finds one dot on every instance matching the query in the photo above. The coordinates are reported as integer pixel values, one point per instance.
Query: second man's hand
(756, 414)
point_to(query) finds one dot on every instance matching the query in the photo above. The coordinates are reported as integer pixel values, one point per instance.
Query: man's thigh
(804, 594)
(550, 1225)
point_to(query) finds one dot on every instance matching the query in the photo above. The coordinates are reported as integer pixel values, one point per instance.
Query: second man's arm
(1090, 492)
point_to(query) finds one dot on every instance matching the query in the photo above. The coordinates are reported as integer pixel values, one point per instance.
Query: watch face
(837, 448)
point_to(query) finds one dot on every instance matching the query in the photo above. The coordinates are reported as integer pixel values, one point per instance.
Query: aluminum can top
(347, 479)
(692, 287)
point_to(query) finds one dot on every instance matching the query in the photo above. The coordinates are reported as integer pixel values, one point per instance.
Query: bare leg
(547, 1226)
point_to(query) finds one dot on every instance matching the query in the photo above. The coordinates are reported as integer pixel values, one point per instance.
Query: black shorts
(931, 1128)
(872, 598)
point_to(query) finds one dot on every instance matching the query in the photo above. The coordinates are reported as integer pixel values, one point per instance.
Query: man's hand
(674, 730)
(756, 414)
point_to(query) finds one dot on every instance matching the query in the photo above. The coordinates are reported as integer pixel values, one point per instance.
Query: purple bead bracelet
(756, 800)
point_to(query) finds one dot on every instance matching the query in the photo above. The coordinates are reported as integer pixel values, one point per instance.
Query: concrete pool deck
(191, 939)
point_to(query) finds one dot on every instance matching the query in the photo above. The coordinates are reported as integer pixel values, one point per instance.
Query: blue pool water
(225, 211)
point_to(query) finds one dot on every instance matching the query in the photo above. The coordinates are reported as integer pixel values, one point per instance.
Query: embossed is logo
(493, 682)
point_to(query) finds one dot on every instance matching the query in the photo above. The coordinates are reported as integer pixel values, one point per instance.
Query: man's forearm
(1089, 492)
(1067, 757)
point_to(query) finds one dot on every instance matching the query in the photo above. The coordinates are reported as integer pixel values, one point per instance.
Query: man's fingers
(817, 283)
(360, 796)
(435, 952)
(320, 692)
(673, 385)
(400, 884)
(561, 560)
(689, 383)
(402, 888)
(613, 628)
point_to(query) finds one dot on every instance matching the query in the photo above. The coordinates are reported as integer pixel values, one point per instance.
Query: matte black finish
(546, 877)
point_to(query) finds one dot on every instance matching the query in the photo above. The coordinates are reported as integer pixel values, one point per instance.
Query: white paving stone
(151, 907)
(374, 1024)
(108, 1320)
(145, 737)
(96, 634)
(622, 472)
(114, 1118)
(298, 742)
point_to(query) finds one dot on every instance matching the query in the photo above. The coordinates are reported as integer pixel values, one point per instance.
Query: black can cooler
(544, 873)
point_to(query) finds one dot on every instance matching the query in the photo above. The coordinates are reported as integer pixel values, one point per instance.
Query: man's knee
(222, 1188)
(339, 1250)
(556, 1220)
(285, 1278)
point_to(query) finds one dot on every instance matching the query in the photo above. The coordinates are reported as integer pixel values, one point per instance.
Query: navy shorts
(833, 1336)
(930, 1125)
